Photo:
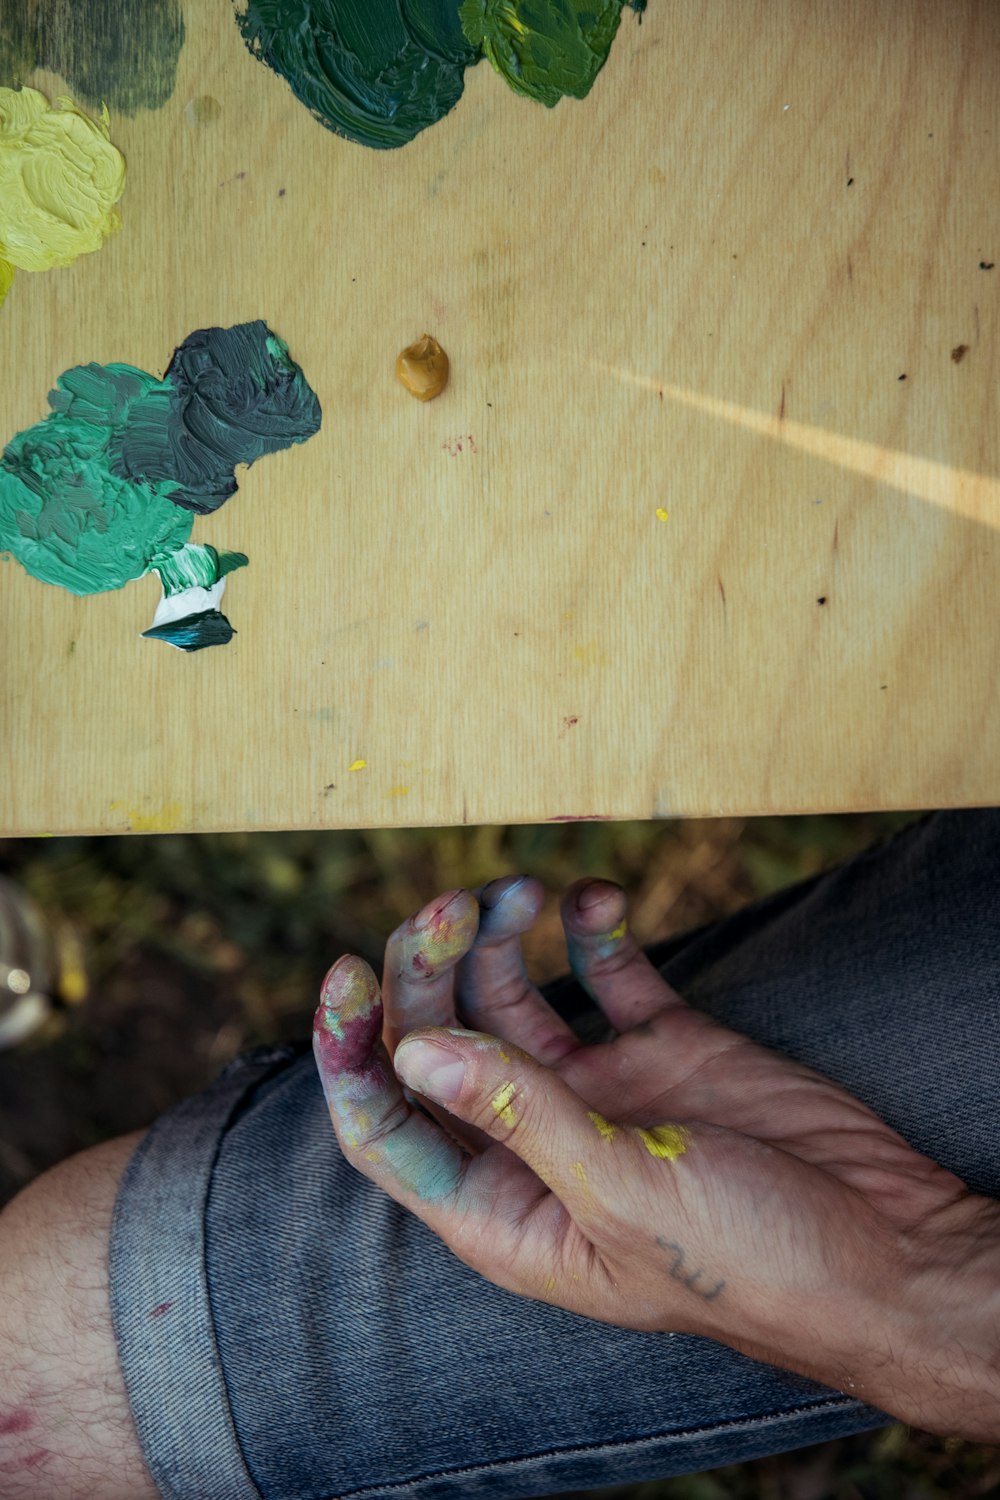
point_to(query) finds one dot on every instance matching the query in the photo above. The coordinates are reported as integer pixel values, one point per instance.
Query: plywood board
(706, 519)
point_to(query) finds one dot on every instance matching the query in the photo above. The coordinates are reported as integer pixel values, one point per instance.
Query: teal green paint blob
(545, 49)
(375, 71)
(69, 520)
(106, 488)
(127, 61)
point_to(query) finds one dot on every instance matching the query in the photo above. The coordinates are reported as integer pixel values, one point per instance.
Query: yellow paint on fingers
(502, 1106)
(664, 1141)
(607, 1130)
(6, 279)
(60, 178)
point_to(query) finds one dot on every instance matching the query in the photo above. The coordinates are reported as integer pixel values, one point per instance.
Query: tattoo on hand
(687, 1278)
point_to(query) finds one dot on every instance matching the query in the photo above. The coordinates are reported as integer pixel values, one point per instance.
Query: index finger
(468, 1201)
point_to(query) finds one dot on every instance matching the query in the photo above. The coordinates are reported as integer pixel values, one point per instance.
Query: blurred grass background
(178, 952)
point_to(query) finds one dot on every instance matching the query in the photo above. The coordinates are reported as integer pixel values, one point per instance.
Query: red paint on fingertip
(20, 1420)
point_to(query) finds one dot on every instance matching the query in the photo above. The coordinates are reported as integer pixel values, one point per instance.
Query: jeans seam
(583, 1449)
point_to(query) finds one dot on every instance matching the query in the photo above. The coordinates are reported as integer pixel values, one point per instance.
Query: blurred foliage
(178, 952)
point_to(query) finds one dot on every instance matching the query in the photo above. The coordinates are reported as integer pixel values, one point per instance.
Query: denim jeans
(287, 1331)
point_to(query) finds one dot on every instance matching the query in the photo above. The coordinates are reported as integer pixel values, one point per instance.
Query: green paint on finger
(429, 1165)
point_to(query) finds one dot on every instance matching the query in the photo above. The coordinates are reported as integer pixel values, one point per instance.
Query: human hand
(677, 1177)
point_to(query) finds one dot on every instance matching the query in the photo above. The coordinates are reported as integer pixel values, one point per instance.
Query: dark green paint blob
(230, 395)
(194, 632)
(545, 49)
(120, 54)
(105, 488)
(375, 71)
(380, 71)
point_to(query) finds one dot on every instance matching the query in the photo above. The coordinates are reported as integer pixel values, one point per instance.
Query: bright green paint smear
(375, 71)
(545, 49)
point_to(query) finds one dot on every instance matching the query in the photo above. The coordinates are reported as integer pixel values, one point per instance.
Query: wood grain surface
(706, 520)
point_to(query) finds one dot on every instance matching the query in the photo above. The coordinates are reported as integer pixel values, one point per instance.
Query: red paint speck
(571, 721)
(157, 1312)
(20, 1420)
(420, 963)
(456, 445)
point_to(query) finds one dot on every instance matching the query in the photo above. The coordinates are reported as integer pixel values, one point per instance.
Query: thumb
(508, 1094)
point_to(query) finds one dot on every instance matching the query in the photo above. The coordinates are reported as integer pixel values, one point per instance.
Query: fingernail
(499, 890)
(593, 895)
(435, 910)
(430, 1070)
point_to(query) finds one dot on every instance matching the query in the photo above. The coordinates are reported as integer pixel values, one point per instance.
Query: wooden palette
(706, 520)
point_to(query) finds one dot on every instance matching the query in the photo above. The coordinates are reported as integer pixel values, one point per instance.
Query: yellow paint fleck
(664, 1141)
(6, 279)
(371, 1156)
(550, 1284)
(607, 1130)
(357, 765)
(502, 1106)
(620, 930)
(503, 1056)
(166, 819)
(398, 791)
(591, 654)
(580, 1173)
(661, 514)
(60, 178)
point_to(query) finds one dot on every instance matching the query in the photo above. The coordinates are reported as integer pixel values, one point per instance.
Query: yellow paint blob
(619, 931)
(580, 1173)
(502, 1106)
(165, 819)
(661, 514)
(357, 765)
(423, 368)
(607, 1130)
(60, 178)
(664, 1141)
(6, 279)
(398, 791)
(550, 1284)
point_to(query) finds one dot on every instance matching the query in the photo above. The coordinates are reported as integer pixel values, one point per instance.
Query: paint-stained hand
(678, 1177)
